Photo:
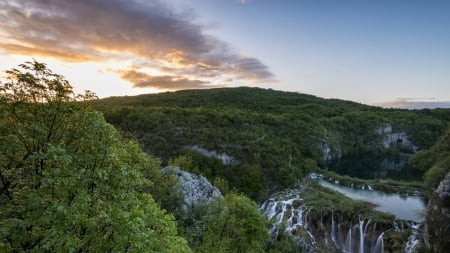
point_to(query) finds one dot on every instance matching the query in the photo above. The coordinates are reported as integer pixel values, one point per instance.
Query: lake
(403, 207)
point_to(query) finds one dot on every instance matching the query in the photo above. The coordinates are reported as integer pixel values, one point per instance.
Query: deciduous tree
(68, 181)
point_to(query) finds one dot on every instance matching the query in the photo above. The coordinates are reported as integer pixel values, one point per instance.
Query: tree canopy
(69, 182)
(275, 138)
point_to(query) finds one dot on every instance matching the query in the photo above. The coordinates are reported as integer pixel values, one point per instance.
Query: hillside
(67, 176)
(273, 138)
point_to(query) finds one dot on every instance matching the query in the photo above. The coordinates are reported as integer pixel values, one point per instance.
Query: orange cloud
(65, 55)
(144, 80)
(148, 33)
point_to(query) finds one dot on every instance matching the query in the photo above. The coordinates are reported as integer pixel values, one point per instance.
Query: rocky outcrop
(396, 139)
(195, 188)
(443, 190)
(438, 217)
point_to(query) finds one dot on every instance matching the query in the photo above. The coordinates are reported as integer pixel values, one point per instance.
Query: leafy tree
(239, 227)
(68, 181)
(283, 243)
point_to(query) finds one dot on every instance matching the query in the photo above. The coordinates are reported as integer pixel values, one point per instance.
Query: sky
(392, 53)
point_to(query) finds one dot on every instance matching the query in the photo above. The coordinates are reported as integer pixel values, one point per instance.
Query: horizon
(380, 53)
(408, 105)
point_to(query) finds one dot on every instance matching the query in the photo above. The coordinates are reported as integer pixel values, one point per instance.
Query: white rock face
(195, 188)
(443, 190)
(395, 139)
(226, 159)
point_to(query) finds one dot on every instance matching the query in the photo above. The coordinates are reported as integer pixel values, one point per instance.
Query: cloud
(415, 103)
(144, 80)
(149, 33)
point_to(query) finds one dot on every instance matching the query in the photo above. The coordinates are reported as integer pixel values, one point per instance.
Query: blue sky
(392, 53)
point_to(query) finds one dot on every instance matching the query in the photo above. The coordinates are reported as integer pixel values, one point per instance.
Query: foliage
(385, 185)
(276, 138)
(435, 162)
(323, 200)
(68, 181)
(193, 226)
(284, 242)
(239, 227)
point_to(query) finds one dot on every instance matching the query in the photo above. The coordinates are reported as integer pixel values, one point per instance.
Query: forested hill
(253, 99)
(273, 138)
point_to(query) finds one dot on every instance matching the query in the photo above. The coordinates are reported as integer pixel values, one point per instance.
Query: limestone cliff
(194, 188)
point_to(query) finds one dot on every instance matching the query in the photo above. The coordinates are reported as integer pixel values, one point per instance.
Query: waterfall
(361, 236)
(272, 211)
(333, 233)
(348, 242)
(367, 226)
(413, 239)
(340, 237)
(289, 209)
(379, 245)
(305, 223)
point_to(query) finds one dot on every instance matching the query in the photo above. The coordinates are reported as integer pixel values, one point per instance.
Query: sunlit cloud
(148, 33)
(143, 80)
(415, 103)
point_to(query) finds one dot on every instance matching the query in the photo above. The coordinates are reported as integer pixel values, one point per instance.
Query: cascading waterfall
(333, 233)
(367, 226)
(361, 236)
(281, 210)
(413, 239)
(379, 245)
(348, 242)
(337, 232)
(340, 236)
(286, 208)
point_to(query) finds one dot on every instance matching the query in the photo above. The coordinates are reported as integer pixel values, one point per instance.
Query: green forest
(276, 138)
(82, 174)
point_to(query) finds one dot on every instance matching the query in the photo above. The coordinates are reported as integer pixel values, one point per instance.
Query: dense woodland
(71, 182)
(276, 138)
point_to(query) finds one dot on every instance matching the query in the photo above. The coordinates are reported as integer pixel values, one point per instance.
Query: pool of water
(369, 166)
(403, 207)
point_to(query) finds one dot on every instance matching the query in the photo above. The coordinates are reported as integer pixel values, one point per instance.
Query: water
(361, 236)
(348, 242)
(403, 207)
(379, 245)
(369, 166)
(413, 239)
